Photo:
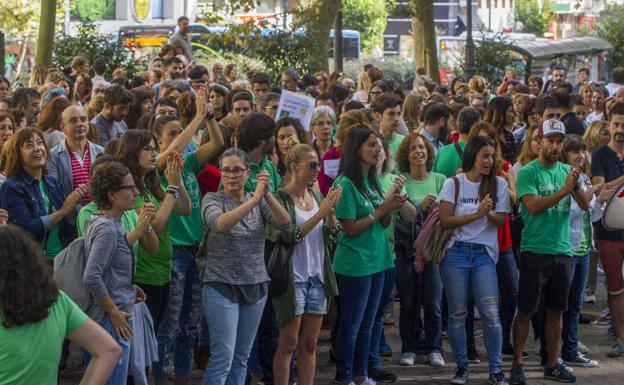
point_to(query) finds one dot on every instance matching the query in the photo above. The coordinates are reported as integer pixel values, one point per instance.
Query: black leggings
(157, 298)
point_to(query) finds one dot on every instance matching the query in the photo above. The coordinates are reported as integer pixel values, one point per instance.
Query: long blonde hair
(592, 134)
(526, 153)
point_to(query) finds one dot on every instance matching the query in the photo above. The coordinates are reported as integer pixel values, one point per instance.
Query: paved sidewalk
(609, 372)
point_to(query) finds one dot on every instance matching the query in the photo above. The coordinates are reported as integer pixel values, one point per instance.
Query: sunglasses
(314, 166)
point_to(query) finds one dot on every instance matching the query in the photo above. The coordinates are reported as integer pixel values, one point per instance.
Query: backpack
(431, 242)
(69, 267)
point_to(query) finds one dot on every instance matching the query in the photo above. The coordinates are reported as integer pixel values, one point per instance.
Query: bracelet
(173, 187)
(149, 229)
(372, 218)
(209, 116)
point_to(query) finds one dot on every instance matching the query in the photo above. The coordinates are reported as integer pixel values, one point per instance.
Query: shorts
(310, 296)
(546, 276)
(612, 259)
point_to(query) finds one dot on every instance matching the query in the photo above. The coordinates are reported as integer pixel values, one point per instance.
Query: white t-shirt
(480, 231)
(308, 257)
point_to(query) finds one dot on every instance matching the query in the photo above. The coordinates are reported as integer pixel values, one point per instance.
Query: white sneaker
(407, 359)
(590, 298)
(436, 360)
(369, 381)
(582, 348)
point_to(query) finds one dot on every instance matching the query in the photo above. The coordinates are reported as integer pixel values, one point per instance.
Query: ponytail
(296, 151)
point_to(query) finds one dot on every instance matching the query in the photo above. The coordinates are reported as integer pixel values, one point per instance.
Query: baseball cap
(551, 127)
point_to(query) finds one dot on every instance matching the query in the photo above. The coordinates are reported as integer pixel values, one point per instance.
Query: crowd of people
(215, 234)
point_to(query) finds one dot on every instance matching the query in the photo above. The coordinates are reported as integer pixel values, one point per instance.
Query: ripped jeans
(178, 329)
(467, 268)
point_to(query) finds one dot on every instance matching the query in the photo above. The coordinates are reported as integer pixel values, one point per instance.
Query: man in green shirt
(545, 187)
(387, 109)
(448, 159)
(256, 136)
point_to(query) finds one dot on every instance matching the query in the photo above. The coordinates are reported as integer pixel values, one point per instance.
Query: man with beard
(436, 124)
(70, 161)
(607, 167)
(181, 39)
(110, 122)
(26, 102)
(544, 189)
(598, 101)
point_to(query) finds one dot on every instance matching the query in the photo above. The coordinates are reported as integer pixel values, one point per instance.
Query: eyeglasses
(237, 171)
(314, 166)
(273, 107)
(150, 149)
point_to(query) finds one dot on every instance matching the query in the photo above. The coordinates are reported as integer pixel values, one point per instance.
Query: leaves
(19, 18)
(367, 16)
(531, 17)
(610, 26)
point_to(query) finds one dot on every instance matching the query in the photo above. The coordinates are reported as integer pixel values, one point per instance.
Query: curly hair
(27, 289)
(107, 177)
(186, 108)
(131, 145)
(402, 155)
(350, 119)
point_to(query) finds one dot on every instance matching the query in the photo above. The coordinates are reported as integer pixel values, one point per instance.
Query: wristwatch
(175, 191)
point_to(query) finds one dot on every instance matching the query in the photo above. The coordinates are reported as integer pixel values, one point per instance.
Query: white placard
(330, 167)
(297, 106)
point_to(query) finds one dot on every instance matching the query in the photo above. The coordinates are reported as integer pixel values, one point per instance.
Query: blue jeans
(178, 329)
(374, 361)
(358, 306)
(467, 268)
(508, 279)
(580, 270)
(232, 328)
(119, 375)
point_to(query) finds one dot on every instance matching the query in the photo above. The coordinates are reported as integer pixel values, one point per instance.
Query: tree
(493, 57)
(369, 17)
(318, 17)
(610, 26)
(424, 36)
(18, 19)
(45, 40)
(531, 18)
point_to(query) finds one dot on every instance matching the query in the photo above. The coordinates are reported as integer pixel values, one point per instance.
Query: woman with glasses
(138, 150)
(322, 123)
(363, 252)
(110, 264)
(235, 280)
(311, 281)
(378, 88)
(35, 201)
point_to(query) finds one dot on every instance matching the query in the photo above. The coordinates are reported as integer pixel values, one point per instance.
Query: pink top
(324, 181)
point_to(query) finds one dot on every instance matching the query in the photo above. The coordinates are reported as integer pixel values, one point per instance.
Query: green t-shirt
(129, 221)
(387, 180)
(417, 190)
(447, 160)
(586, 236)
(52, 242)
(29, 354)
(394, 144)
(369, 251)
(547, 232)
(154, 269)
(274, 178)
(187, 230)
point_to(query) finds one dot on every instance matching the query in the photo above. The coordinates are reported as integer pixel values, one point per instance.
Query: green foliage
(89, 42)
(93, 10)
(610, 26)
(369, 17)
(277, 50)
(492, 56)
(394, 68)
(531, 17)
(19, 18)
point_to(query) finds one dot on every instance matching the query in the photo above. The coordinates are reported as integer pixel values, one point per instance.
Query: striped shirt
(80, 167)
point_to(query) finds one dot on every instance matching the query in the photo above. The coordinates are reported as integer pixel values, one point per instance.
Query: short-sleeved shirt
(447, 161)
(187, 230)
(30, 353)
(547, 232)
(606, 163)
(274, 178)
(52, 241)
(394, 144)
(108, 130)
(480, 231)
(369, 251)
(417, 190)
(154, 269)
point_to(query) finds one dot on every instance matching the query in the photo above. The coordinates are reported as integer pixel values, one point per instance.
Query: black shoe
(508, 353)
(584, 319)
(473, 356)
(382, 375)
(559, 373)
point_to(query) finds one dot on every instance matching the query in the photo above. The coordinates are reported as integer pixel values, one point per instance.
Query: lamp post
(469, 67)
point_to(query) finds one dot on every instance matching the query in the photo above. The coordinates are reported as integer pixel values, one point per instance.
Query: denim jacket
(21, 197)
(59, 165)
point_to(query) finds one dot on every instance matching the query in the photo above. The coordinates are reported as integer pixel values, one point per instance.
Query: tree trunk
(45, 40)
(319, 17)
(22, 56)
(424, 36)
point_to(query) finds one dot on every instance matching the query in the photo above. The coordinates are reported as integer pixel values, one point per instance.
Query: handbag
(430, 245)
(277, 256)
